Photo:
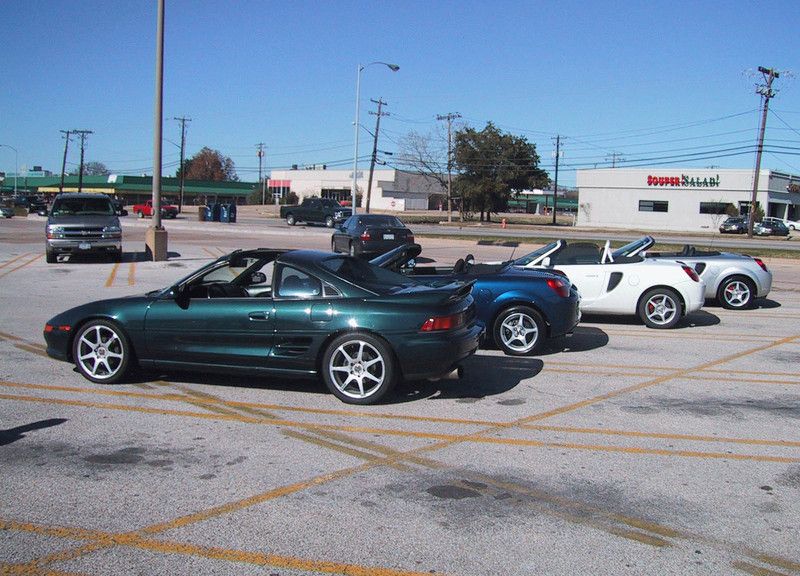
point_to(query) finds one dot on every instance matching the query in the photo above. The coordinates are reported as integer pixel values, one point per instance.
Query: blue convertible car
(520, 307)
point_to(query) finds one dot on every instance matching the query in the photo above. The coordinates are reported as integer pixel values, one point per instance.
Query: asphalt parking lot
(621, 450)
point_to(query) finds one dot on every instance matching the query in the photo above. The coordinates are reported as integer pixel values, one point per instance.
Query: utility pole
(767, 93)
(83, 134)
(260, 155)
(555, 184)
(614, 156)
(450, 116)
(183, 122)
(64, 161)
(380, 103)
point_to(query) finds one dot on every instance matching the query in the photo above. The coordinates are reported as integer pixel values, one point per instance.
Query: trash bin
(201, 213)
(212, 212)
(232, 212)
(224, 213)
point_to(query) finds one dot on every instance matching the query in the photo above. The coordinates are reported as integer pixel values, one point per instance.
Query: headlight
(55, 232)
(112, 230)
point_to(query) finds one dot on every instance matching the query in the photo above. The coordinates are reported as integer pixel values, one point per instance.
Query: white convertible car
(658, 292)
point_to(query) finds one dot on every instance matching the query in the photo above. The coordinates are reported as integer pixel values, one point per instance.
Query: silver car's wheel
(660, 308)
(736, 293)
(519, 331)
(101, 352)
(290, 220)
(358, 368)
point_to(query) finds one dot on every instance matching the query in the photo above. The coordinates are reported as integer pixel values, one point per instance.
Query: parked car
(734, 280)
(734, 225)
(145, 210)
(281, 313)
(658, 292)
(520, 308)
(770, 226)
(315, 211)
(82, 223)
(370, 235)
(6, 211)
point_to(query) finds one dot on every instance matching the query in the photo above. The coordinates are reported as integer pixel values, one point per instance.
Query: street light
(393, 68)
(16, 165)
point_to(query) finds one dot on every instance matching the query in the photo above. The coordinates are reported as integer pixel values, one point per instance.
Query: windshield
(366, 275)
(82, 207)
(536, 254)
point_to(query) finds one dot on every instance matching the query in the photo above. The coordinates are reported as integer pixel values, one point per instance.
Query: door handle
(258, 315)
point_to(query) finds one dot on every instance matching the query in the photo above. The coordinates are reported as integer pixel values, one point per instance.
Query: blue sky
(646, 80)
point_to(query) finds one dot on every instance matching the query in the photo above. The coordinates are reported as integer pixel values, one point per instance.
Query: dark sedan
(370, 235)
(520, 307)
(734, 225)
(280, 313)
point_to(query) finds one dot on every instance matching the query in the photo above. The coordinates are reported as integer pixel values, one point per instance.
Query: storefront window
(653, 206)
(715, 207)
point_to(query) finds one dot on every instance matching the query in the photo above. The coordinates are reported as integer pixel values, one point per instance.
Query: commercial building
(391, 189)
(683, 199)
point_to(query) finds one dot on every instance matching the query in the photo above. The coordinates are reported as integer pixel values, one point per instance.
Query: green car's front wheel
(101, 352)
(358, 368)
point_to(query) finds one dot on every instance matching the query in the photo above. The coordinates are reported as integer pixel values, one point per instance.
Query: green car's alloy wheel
(358, 368)
(660, 308)
(101, 351)
(519, 331)
(736, 293)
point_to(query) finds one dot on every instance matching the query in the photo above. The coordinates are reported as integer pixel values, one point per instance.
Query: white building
(391, 189)
(683, 199)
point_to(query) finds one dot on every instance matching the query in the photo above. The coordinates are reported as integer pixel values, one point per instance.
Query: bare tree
(426, 154)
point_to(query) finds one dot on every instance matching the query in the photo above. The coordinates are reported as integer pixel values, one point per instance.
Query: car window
(294, 283)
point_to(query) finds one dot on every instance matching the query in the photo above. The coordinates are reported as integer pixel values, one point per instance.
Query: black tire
(290, 220)
(116, 256)
(519, 331)
(50, 257)
(660, 308)
(736, 293)
(329, 222)
(358, 368)
(101, 352)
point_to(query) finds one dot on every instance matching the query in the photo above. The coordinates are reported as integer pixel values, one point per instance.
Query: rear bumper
(435, 354)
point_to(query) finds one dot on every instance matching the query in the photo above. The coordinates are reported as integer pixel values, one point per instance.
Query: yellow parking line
(112, 275)
(132, 540)
(447, 438)
(132, 274)
(10, 262)
(29, 262)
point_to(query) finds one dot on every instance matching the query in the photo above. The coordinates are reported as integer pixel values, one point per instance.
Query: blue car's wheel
(101, 352)
(519, 331)
(358, 368)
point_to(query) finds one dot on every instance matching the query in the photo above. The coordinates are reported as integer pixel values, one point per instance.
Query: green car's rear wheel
(358, 368)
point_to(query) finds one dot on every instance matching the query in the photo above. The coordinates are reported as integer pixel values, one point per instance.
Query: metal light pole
(16, 165)
(393, 68)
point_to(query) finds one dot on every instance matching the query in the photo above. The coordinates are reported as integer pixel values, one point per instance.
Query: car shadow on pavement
(583, 339)
(696, 319)
(484, 375)
(760, 303)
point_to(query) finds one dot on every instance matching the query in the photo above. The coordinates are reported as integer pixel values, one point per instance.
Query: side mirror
(258, 278)
(181, 295)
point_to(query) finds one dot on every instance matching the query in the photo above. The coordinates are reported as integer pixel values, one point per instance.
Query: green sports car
(280, 313)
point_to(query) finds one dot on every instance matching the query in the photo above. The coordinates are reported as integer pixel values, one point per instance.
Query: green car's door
(232, 331)
(305, 310)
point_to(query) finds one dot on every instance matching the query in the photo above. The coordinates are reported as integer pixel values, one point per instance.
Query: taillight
(438, 323)
(559, 287)
(50, 328)
(365, 235)
(760, 262)
(691, 273)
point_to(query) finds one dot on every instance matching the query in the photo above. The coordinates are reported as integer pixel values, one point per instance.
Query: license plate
(388, 236)
(85, 246)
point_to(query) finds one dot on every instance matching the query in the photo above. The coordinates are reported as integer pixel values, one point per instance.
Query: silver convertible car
(735, 280)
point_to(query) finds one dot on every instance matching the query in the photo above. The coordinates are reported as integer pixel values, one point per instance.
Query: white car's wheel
(736, 293)
(519, 331)
(101, 352)
(660, 308)
(358, 368)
